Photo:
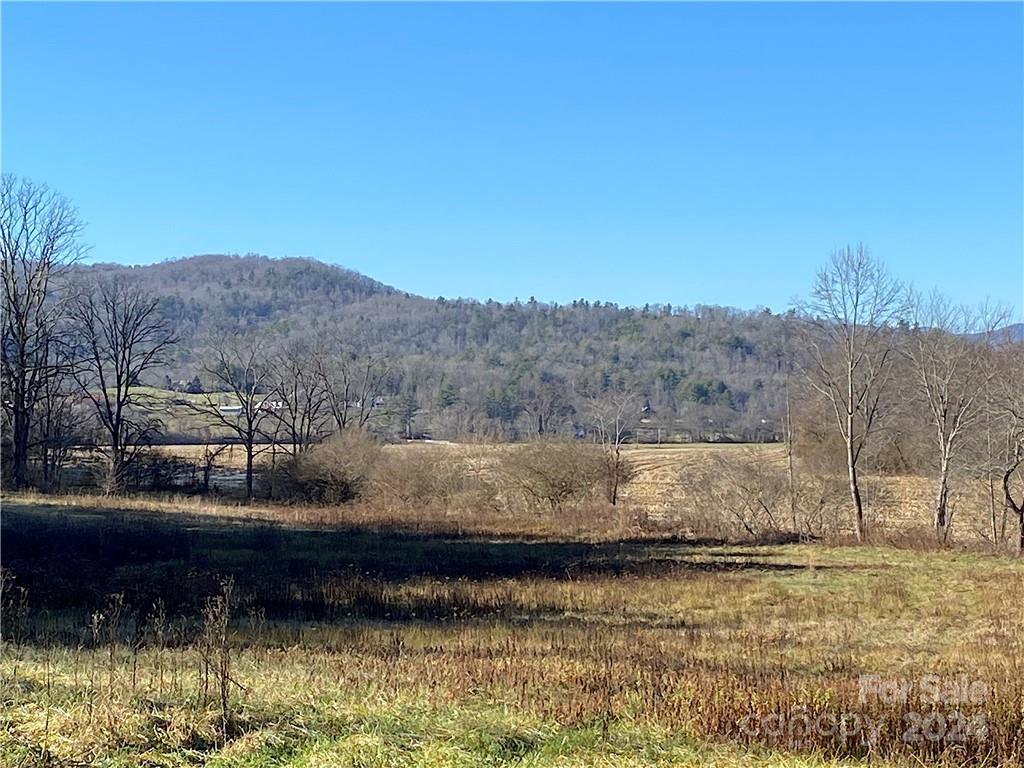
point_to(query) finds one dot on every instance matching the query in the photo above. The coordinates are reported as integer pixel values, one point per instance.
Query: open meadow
(512, 385)
(662, 483)
(145, 632)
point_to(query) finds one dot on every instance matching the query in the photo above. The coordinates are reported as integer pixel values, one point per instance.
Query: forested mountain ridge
(249, 290)
(487, 369)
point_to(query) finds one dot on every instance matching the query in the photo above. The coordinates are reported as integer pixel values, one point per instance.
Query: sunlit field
(159, 635)
(899, 504)
(511, 385)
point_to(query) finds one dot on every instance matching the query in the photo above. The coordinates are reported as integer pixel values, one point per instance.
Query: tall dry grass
(335, 629)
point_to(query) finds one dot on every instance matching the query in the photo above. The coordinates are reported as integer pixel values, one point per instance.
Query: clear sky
(683, 153)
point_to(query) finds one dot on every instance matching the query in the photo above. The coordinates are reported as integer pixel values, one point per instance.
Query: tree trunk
(1016, 509)
(996, 539)
(20, 448)
(1020, 532)
(858, 504)
(615, 478)
(48, 462)
(942, 502)
(248, 472)
(789, 460)
(116, 479)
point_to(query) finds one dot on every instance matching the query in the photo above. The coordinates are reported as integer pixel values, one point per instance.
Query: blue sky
(684, 153)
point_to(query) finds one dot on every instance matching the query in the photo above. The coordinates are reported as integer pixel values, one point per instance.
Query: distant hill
(1013, 333)
(487, 368)
(250, 289)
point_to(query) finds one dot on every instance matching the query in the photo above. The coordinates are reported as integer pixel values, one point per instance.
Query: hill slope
(488, 368)
(1013, 333)
(251, 290)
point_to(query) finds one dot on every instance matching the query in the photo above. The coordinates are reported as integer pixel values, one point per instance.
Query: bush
(736, 494)
(617, 472)
(333, 472)
(156, 471)
(742, 493)
(423, 475)
(823, 504)
(554, 473)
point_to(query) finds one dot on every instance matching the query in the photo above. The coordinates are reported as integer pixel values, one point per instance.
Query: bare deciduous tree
(303, 412)
(120, 334)
(614, 416)
(208, 462)
(948, 349)
(352, 387)
(239, 367)
(545, 402)
(1008, 403)
(849, 337)
(60, 423)
(39, 240)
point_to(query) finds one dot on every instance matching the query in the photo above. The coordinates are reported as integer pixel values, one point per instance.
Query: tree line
(880, 374)
(77, 346)
(884, 365)
(69, 343)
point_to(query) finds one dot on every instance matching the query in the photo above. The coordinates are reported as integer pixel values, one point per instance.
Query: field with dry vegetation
(185, 632)
(699, 489)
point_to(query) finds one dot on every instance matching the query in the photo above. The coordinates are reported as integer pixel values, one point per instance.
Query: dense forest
(489, 369)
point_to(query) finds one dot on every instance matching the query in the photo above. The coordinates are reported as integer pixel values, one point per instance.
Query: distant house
(376, 402)
(191, 387)
(236, 410)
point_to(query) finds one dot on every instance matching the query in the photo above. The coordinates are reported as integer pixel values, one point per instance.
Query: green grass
(180, 419)
(292, 716)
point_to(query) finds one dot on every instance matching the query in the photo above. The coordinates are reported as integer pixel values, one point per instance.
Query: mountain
(471, 368)
(251, 289)
(1012, 333)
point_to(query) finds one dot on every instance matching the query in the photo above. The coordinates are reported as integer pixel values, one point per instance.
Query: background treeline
(864, 377)
(484, 369)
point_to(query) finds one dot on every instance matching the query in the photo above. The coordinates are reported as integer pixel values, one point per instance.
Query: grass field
(896, 505)
(372, 646)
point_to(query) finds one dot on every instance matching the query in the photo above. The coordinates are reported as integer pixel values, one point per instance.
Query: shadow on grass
(71, 560)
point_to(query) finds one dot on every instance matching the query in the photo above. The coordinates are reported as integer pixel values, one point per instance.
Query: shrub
(732, 494)
(554, 473)
(156, 471)
(417, 476)
(616, 472)
(333, 472)
(742, 493)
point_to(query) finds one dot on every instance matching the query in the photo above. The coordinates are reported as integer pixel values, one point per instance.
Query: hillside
(251, 290)
(1013, 333)
(488, 368)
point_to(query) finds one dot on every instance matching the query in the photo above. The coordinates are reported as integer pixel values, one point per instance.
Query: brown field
(368, 638)
(896, 505)
(167, 630)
